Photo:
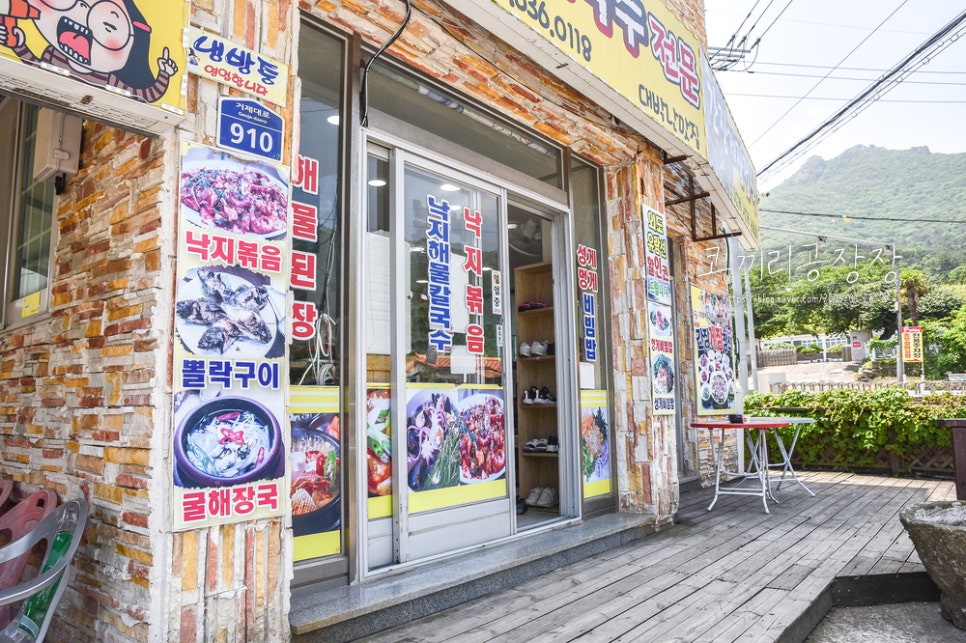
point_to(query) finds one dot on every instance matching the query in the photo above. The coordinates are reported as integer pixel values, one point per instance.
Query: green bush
(876, 429)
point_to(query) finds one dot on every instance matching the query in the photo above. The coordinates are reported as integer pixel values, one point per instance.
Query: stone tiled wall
(85, 392)
(230, 583)
(79, 386)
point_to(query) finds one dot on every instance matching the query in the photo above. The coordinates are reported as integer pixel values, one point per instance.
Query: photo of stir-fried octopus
(229, 313)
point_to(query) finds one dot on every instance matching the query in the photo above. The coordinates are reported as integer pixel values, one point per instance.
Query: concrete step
(350, 612)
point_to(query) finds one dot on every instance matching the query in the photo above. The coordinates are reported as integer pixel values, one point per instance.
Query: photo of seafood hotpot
(316, 488)
(228, 441)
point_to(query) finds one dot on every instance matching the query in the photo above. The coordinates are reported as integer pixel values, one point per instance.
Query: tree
(913, 283)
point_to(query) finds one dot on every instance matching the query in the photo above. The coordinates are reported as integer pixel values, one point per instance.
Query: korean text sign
(639, 49)
(230, 339)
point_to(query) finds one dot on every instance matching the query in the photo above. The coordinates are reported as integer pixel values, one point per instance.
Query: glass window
(317, 217)
(414, 101)
(451, 236)
(27, 209)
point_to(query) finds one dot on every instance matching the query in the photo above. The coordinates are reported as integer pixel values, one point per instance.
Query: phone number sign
(250, 127)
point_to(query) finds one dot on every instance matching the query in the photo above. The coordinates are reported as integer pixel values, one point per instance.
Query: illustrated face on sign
(94, 36)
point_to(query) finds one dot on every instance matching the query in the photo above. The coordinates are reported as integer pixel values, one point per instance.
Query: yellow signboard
(639, 49)
(911, 344)
(131, 48)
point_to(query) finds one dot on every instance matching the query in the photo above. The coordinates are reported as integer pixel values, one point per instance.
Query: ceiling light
(449, 187)
(333, 120)
(377, 183)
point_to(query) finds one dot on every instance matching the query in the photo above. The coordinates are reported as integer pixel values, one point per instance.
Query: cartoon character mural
(102, 42)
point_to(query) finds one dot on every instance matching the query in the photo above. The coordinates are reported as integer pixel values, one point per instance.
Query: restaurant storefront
(367, 286)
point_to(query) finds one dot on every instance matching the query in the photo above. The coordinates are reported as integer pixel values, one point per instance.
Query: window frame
(14, 140)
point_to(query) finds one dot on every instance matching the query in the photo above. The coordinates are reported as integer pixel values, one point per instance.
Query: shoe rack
(536, 419)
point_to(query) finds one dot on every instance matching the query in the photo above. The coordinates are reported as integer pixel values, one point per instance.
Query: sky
(853, 43)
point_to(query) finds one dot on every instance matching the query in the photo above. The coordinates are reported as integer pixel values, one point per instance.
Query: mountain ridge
(893, 191)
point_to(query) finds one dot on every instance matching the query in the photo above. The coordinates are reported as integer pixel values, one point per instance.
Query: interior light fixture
(377, 183)
(449, 187)
(333, 120)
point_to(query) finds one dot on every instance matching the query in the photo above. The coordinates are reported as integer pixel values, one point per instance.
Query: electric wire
(861, 217)
(364, 90)
(917, 58)
(813, 87)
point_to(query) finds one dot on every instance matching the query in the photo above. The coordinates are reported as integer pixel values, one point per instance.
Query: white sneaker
(534, 496)
(538, 348)
(524, 350)
(548, 498)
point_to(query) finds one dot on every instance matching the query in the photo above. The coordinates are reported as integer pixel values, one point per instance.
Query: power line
(919, 57)
(908, 82)
(833, 98)
(813, 87)
(859, 217)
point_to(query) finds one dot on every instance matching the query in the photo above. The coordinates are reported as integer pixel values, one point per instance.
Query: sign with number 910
(248, 126)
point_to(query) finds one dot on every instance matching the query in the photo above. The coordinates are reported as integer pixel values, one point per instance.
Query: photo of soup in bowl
(228, 441)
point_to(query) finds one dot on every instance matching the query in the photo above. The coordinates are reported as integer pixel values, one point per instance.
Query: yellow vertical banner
(911, 344)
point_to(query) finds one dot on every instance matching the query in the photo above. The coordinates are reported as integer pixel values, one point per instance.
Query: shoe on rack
(534, 496)
(547, 498)
(521, 506)
(538, 348)
(524, 350)
(545, 397)
(551, 348)
(529, 396)
(553, 446)
(531, 445)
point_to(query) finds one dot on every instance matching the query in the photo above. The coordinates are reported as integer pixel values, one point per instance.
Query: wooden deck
(731, 574)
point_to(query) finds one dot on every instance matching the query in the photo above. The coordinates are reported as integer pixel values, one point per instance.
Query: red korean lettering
(198, 243)
(307, 174)
(305, 221)
(474, 339)
(304, 315)
(303, 271)
(193, 506)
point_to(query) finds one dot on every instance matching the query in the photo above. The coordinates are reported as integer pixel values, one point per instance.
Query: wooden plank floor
(731, 574)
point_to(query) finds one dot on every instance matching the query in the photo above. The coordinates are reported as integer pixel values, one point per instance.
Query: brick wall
(85, 391)
(79, 387)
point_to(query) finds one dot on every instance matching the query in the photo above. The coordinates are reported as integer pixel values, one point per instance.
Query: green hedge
(883, 429)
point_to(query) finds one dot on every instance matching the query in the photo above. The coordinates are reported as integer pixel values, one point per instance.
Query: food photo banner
(714, 352)
(456, 445)
(594, 443)
(230, 339)
(316, 480)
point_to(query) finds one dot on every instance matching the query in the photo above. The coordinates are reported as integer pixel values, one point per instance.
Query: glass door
(436, 431)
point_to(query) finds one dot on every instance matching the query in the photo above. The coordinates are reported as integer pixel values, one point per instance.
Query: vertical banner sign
(912, 343)
(230, 338)
(660, 326)
(315, 489)
(714, 351)
(594, 443)
(587, 284)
